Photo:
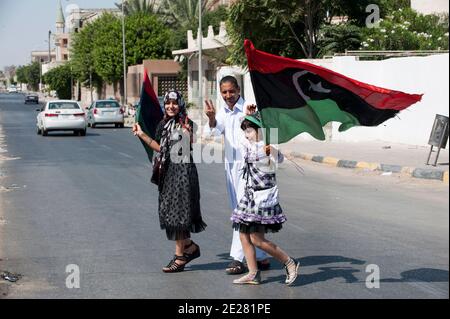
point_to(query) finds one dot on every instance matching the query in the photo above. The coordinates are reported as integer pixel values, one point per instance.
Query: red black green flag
(149, 112)
(298, 97)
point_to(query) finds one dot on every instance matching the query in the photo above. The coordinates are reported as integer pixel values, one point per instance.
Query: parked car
(31, 98)
(12, 89)
(105, 112)
(61, 115)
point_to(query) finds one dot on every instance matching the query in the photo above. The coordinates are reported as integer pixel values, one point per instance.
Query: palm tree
(183, 13)
(140, 6)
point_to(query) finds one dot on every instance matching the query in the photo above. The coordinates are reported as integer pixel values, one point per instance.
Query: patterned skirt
(179, 202)
(258, 209)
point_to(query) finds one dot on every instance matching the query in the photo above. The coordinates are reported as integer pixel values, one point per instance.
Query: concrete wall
(420, 75)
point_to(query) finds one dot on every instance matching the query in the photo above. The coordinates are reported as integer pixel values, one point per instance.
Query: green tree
(82, 59)
(405, 29)
(30, 75)
(59, 79)
(98, 46)
(284, 27)
(339, 38)
(140, 6)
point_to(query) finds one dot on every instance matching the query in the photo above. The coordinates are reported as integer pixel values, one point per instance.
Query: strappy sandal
(235, 268)
(194, 254)
(175, 267)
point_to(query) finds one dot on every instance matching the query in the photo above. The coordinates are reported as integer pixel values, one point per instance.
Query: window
(63, 106)
(107, 104)
(169, 82)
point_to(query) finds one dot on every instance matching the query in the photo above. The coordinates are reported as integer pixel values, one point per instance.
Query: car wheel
(93, 125)
(44, 132)
(38, 130)
(83, 132)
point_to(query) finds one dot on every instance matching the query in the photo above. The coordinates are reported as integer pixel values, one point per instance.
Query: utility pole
(200, 66)
(124, 58)
(49, 53)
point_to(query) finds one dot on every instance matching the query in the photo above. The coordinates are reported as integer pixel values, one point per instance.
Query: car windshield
(63, 106)
(106, 104)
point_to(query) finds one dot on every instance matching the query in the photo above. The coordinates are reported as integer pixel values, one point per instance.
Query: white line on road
(106, 147)
(126, 155)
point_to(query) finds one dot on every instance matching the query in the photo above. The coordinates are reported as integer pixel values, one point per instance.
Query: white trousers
(233, 171)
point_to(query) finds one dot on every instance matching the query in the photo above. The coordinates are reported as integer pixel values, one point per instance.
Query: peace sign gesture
(210, 110)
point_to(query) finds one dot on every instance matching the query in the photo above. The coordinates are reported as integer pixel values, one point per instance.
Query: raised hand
(186, 124)
(137, 130)
(251, 109)
(210, 110)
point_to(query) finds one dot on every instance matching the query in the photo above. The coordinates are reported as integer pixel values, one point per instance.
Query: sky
(24, 26)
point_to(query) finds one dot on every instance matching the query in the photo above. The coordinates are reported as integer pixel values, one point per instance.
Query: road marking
(106, 147)
(126, 155)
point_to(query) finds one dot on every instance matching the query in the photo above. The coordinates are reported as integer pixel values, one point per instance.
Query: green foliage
(140, 6)
(29, 74)
(339, 38)
(59, 79)
(98, 46)
(268, 30)
(405, 29)
(286, 27)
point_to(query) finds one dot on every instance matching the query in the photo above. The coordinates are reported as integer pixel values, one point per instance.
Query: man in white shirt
(228, 122)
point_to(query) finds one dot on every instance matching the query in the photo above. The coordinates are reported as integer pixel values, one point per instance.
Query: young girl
(258, 211)
(179, 191)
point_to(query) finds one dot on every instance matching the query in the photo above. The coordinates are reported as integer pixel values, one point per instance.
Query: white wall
(430, 6)
(416, 75)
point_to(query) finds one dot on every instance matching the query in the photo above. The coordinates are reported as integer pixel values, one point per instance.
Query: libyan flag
(149, 112)
(298, 97)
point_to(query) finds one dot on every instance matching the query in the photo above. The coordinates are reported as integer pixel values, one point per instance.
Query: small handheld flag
(149, 113)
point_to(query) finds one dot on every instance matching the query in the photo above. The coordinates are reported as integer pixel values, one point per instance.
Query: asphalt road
(88, 201)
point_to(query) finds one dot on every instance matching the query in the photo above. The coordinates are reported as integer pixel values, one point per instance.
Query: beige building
(213, 50)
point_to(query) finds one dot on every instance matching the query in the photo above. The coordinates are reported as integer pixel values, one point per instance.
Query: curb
(413, 172)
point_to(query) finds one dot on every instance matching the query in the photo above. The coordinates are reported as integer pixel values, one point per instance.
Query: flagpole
(124, 59)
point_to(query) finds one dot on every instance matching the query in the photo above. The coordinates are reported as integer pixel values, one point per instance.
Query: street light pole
(124, 57)
(49, 54)
(200, 66)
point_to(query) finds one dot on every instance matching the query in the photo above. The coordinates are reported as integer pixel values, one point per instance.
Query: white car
(105, 112)
(12, 89)
(61, 115)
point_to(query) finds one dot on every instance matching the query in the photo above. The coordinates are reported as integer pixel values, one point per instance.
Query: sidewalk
(380, 156)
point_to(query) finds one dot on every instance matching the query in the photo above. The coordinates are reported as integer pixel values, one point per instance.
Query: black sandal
(235, 268)
(194, 254)
(173, 266)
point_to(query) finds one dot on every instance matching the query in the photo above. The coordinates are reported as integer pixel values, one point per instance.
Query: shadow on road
(421, 275)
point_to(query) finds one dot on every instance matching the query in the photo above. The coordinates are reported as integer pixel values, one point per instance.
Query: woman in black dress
(179, 190)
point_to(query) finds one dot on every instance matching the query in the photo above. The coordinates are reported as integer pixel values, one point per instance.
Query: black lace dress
(179, 194)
